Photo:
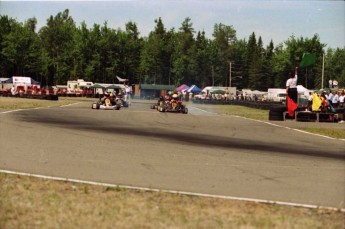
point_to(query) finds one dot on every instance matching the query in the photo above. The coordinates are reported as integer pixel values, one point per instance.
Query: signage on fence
(21, 79)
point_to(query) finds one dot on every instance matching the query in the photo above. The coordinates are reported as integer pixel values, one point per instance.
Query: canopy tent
(256, 92)
(303, 91)
(193, 89)
(156, 87)
(113, 86)
(34, 82)
(181, 88)
(97, 86)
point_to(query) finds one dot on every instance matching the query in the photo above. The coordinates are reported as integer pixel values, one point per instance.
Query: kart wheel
(152, 106)
(185, 111)
(161, 109)
(117, 107)
(95, 106)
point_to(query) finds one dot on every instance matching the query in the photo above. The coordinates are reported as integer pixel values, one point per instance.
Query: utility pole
(230, 74)
(323, 69)
(212, 75)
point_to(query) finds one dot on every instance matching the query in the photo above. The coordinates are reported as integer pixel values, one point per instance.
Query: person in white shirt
(13, 90)
(335, 99)
(329, 96)
(128, 92)
(341, 99)
(291, 93)
(291, 86)
(335, 84)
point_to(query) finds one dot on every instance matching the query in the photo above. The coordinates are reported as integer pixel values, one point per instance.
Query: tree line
(62, 51)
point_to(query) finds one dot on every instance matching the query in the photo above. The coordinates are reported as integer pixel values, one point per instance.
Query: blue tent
(194, 89)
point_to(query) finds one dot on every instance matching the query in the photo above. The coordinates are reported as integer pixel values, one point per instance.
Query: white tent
(302, 90)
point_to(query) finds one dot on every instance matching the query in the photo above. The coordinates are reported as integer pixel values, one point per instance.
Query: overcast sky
(276, 20)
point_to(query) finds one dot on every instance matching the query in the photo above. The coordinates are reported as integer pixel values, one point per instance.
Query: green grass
(12, 103)
(235, 110)
(262, 115)
(28, 202)
(335, 133)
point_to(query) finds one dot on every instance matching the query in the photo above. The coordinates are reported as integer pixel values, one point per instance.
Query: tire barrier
(42, 97)
(276, 113)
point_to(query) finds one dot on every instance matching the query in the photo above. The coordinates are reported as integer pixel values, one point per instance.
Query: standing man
(335, 84)
(291, 92)
(128, 91)
(335, 99)
(329, 97)
(13, 90)
(330, 83)
(341, 99)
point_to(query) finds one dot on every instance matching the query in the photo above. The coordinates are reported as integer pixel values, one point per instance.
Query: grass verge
(10, 103)
(340, 134)
(262, 115)
(28, 202)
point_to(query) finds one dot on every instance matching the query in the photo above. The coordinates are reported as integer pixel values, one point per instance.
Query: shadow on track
(180, 137)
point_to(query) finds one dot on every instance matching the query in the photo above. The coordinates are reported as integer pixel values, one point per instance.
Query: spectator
(13, 90)
(330, 83)
(335, 84)
(335, 99)
(341, 98)
(128, 92)
(310, 101)
(329, 96)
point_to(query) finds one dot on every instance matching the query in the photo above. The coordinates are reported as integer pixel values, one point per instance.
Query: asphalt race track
(196, 152)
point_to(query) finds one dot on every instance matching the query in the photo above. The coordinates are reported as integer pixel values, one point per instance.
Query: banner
(21, 79)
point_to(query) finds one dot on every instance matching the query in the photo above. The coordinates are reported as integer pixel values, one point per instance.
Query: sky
(272, 20)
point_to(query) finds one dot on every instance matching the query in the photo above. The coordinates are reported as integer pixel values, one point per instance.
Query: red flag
(291, 106)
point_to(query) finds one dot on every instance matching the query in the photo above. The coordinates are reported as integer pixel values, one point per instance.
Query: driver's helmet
(175, 96)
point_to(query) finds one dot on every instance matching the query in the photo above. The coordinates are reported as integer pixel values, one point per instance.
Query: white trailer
(276, 94)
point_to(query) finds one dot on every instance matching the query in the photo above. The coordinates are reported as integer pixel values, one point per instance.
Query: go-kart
(106, 104)
(173, 106)
(158, 103)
